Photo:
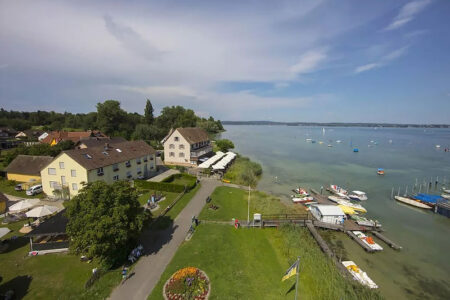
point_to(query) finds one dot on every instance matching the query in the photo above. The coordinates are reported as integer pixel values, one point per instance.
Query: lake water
(422, 269)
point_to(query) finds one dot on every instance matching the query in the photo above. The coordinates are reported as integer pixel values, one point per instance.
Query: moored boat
(412, 202)
(368, 241)
(302, 199)
(354, 206)
(364, 221)
(337, 189)
(380, 171)
(300, 191)
(358, 195)
(446, 196)
(359, 275)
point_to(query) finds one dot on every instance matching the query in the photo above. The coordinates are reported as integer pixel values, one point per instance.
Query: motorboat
(348, 210)
(300, 191)
(354, 206)
(302, 199)
(309, 140)
(380, 171)
(446, 196)
(412, 202)
(337, 189)
(355, 150)
(329, 145)
(359, 275)
(338, 141)
(368, 241)
(364, 221)
(358, 195)
(446, 190)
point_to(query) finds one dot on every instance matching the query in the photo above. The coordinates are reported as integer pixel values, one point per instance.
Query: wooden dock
(386, 240)
(321, 199)
(359, 241)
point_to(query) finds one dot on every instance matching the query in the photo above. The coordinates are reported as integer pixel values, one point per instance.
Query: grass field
(241, 169)
(7, 187)
(249, 263)
(232, 203)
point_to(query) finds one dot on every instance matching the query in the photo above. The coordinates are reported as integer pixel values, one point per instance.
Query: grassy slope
(238, 168)
(249, 263)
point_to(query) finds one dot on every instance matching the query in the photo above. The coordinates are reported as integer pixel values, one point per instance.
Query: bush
(190, 181)
(160, 186)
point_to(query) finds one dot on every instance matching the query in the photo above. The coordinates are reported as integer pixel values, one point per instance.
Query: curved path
(160, 247)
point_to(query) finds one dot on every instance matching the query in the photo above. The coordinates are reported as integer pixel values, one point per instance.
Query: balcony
(201, 151)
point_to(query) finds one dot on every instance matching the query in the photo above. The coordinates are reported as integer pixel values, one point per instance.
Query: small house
(332, 214)
(27, 168)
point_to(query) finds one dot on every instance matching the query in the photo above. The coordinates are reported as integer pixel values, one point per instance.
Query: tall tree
(105, 221)
(109, 116)
(148, 113)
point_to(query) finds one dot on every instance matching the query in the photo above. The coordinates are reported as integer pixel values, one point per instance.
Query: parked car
(18, 187)
(35, 189)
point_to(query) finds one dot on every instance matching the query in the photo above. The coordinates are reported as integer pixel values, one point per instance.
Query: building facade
(123, 161)
(27, 168)
(185, 146)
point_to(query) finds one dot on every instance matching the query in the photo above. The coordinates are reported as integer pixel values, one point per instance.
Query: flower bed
(187, 284)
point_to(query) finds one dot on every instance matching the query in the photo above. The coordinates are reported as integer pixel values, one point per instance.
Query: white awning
(42, 211)
(24, 204)
(224, 162)
(212, 160)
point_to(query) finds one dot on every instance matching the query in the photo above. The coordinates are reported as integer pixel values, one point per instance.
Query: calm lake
(422, 269)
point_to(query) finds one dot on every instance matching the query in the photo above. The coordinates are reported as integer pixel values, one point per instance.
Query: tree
(109, 116)
(105, 221)
(148, 113)
(224, 145)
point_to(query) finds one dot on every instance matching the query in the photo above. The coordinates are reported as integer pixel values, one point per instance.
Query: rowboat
(358, 195)
(359, 275)
(412, 202)
(368, 241)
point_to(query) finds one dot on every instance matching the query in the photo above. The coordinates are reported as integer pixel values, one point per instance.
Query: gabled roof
(54, 226)
(28, 164)
(74, 136)
(329, 210)
(97, 157)
(193, 134)
(90, 142)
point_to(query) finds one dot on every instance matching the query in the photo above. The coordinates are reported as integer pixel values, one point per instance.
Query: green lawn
(7, 187)
(162, 204)
(232, 203)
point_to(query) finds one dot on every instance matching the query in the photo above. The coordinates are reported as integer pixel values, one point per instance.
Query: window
(73, 173)
(115, 167)
(138, 170)
(74, 186)
(116, 177)
(138, 161)
(176, 139)
(61, 165)
(129, 174)
(144, 158)
(172, 154)
(63, 180)
(171, 146)
(128, 164)
(181, 147)
(51, 171)
(151, 157)
(53, 184)
(100, 172)
(181, 154)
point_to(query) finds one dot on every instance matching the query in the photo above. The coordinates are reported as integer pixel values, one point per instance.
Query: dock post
(436, 183)
(321, 189)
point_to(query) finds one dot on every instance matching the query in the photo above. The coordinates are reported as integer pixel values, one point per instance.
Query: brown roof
(96, 157)
(3, 198)
(74, 136)
(193, 134)
(90, 142)
(28, 164)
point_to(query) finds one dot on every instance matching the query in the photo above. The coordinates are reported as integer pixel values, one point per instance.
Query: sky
(305, 60)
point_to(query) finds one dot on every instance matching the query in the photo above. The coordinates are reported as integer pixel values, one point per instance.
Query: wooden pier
(359, 241)
(386, 240)
(321, 199)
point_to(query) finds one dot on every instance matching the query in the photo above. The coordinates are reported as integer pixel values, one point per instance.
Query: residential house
(42, 136)
(98, 141)
(27, 168)
(29, 134)
(55, 137)
(185, 146)
(111, 162)
(7, 133)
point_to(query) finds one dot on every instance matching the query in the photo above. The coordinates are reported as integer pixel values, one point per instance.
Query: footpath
(160, 247)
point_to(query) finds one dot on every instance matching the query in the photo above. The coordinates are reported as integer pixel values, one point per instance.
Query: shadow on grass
(292, 288)
(157, 235)
(15, 244)
(19, 285)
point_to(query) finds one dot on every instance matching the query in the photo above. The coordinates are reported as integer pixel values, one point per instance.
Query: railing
(201, 151)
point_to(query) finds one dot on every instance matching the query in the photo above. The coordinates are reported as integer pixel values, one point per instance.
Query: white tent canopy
(212, 160)
(4, 231)
(24, 204)
(42, 211)
(224, 162)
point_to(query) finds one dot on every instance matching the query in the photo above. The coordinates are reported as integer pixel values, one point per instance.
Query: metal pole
(398, 194)
(406, 191)
(248, 210)
(392, 193)
(296, 283)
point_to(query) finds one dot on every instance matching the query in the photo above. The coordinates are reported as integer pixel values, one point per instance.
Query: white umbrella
(4, 231)
(24, 204)
(41, 211)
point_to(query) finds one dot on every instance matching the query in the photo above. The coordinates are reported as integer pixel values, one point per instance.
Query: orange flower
(185, 272)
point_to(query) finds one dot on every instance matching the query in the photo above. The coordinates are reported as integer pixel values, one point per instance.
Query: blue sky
(319, 61)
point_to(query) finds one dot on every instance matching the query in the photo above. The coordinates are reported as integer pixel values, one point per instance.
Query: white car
(35, 189)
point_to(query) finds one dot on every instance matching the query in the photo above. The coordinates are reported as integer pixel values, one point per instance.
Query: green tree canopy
(105, 221)
(148, 113)
(224, 145)
(110, 116)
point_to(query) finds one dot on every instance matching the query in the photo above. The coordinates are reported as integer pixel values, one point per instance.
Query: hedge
(189, 186)
(159, 186)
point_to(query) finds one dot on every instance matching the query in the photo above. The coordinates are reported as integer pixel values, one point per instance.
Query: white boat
(368, 241)
(446, 190)
(309, 140)
(300, 191)
(337, 189)
(358, 195)
(365, 222)
(338, 141)
(446, 196)
(302, 199)
(359, 275)
(329, 145)
(438, 146)
(412, 202)
(354, 206)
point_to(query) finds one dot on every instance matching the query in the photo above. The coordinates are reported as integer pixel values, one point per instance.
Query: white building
(332, 214)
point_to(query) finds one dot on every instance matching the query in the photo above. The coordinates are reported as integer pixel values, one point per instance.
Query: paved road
(161, 247)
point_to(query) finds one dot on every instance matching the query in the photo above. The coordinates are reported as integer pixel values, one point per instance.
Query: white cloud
(366, 67)
(407, 13)
(383, 61)
(309, 61)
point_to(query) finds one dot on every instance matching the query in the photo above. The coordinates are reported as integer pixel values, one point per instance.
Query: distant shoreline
(335, 124)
